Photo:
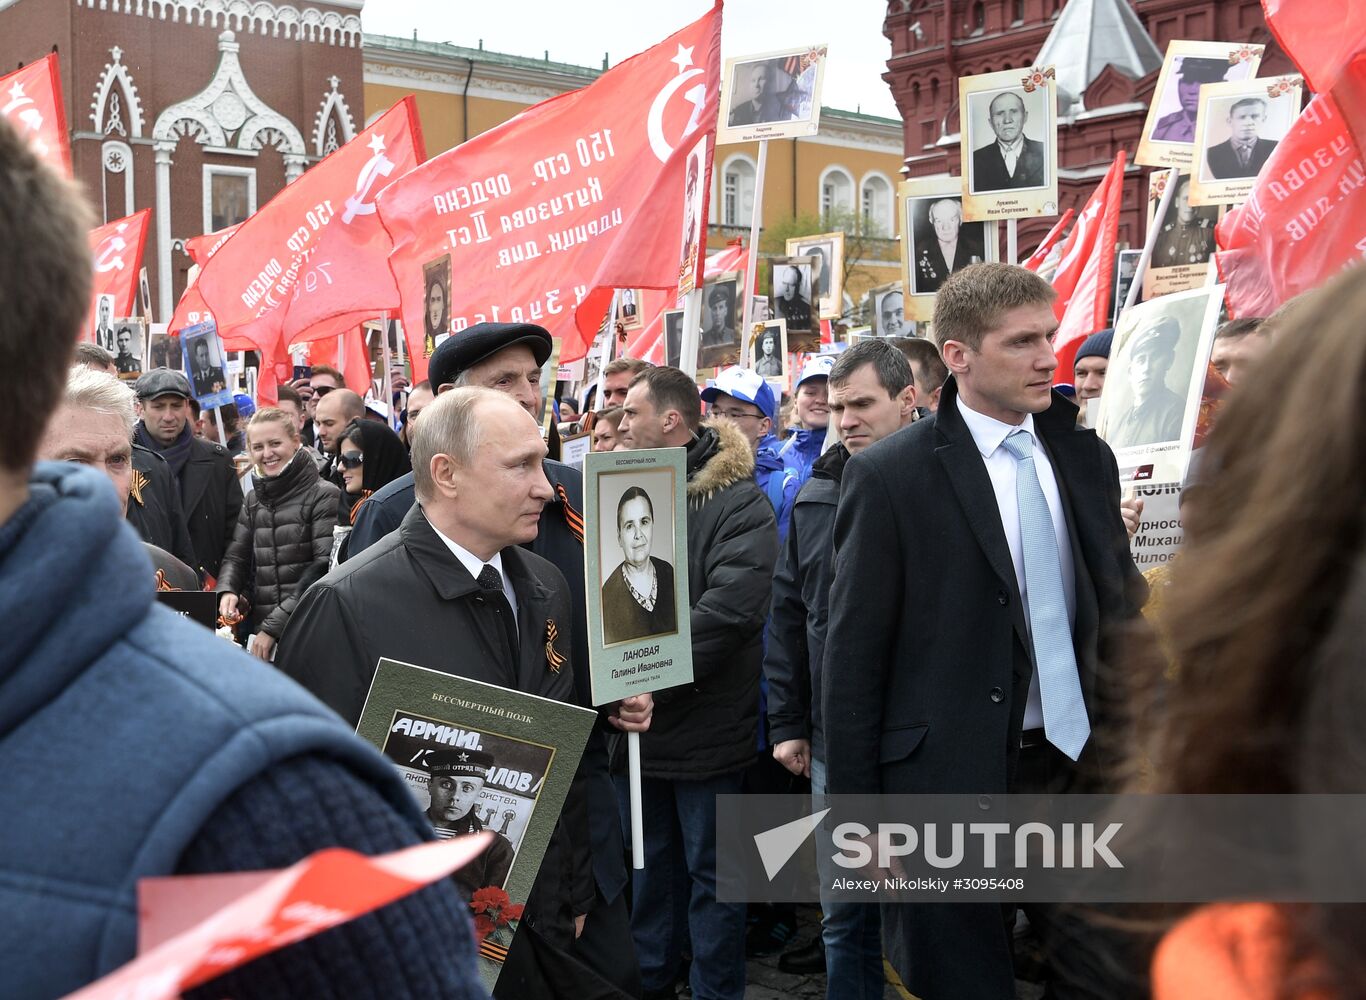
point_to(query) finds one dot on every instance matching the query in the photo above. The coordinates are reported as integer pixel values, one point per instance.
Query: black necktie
(490, 579)
(491, 582)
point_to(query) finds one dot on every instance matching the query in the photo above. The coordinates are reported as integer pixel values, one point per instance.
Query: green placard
(636, 544)
(420, 717)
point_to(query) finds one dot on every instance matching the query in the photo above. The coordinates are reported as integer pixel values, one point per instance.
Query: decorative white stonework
(228, 113)
(333, 127)
(255, 16)
(116, 157)
(116, 96)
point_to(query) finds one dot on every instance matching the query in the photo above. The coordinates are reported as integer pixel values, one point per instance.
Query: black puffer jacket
(285, 527)
(708, 728)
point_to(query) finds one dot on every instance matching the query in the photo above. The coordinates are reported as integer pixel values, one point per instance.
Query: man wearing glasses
(743, 397)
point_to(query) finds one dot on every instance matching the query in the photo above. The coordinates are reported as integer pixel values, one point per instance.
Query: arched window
(737, 191)
(837, 191)
(979, 16)
(877, 204)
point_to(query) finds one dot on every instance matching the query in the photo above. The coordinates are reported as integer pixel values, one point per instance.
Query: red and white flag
(1086, 270)
(647, 343)
(346, 353)
(1036, 260)
(31, 100)
(117, 249)
(273, 257)
(191, 308)
(520, 224)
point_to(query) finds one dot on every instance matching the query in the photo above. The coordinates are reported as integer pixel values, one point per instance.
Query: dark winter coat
(154, 508)
(708, 728)
(285, 527)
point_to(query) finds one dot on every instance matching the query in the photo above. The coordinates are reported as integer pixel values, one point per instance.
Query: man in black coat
(703, 735)
(508, 358)
(937, 663)
(453, 590)
(1013, 160)
(872, 395)
(155, 512)
(210, 494)
(945, 246)
(1244, 152)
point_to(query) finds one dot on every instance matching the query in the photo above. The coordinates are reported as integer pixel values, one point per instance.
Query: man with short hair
(419, 398)
(1244, 152)
(703, 735)
(946, 247)
(333, 414)
(235, 749)
(126, 361)
(791, 304)
(1009, 512)
(616, 378)
(1012, 160)
(1155, 412)
(94, 356)
(454, 780)
(321, 380)
(1189, 238)
(928, 370)
(872, 395)
(207, 378)
(719, 329)
(763, 104)
(892, 315)
(1089, 366)
(209, 493)
(290, 401)
(1238, 346)
(456, 576)
(507, 358)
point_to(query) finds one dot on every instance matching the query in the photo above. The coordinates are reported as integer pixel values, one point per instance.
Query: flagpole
(609, 335)
(1012, 242)
(637, 805)
(752, 268)
(385, 359)
(1168, 192)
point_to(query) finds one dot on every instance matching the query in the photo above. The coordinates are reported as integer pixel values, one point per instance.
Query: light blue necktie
(1064, 711)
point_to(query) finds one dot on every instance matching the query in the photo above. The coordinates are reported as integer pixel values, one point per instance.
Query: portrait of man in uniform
(1155, 411)
(1191, 73)
(128, 344)
(943, 242)
(792, 295)
(1187, 232)
(455, 779)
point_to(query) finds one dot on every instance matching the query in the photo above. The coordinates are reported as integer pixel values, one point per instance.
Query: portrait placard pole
(752, 268)
(385, 359)
(398, 340)
(218, 419)
(692, 332)
(1168, 192)
(637, 807)
(1012, 242)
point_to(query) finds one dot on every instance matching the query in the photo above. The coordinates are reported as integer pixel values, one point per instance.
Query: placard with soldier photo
(1151, 398)
(720, 341)
(935, 241)
(1009, 144)
(130, 346)
(204, 364)
(636, 543)
(163, 350)
(1185, 239)
(1126, 266)
(772, 95)
(673, 337)
(790, 279)
(1168, 137)
(1236, 130)
(827, 270)
(767, 355)
(889, 311)
(479, 757)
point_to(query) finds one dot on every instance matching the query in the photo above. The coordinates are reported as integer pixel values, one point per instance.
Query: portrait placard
(673, 337)
(163, 350)
(1151, 398)
(636, 543)
(1168, 137)
(628, 308)
(1185, 239)
(827, 270)
(203, 360)
(436, 310)
(130, 346)
(889, 311)
(1009, 144)
(574, 447)
(104, 322)
(772, 95)
(935, 241)
(767, 349)
(479, 757)
(720, 340)
(790, 279)
(1236, 129)
(1126, 266)
(693, 246)
(199, 606)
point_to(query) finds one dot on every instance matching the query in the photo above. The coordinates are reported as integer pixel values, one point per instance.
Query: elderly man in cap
(455, 779)
(1155, 414)
(1179, 126)
(209, 493)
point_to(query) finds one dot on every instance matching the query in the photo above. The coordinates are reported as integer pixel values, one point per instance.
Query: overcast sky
(580, 31)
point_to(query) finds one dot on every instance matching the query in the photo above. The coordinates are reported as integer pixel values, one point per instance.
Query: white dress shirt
(475, 565)
(988, 434)
(1011, 153)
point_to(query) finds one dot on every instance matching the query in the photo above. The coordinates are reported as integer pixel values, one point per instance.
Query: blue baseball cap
(817, 367)
(745, 385)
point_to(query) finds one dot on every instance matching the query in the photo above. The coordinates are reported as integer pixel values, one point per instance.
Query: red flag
(1321, 40)
(1305, 219)
(354, 248)
(250, 280)
(31, 100)
(1046, 245)
(347, 354)
(117, 249)
(1086, 270)
(191, 308)
(522, 219)
(647, 343)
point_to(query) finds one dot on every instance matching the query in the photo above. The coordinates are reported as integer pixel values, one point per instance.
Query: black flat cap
(462, 351)
(1202, 69)
(162, 382)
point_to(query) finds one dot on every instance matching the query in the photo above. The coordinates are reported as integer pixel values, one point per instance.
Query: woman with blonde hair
(283, 531)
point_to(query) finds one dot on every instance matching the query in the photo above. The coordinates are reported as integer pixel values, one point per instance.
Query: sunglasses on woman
(352, 461)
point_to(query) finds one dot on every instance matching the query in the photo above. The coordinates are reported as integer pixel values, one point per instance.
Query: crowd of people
(912, 576)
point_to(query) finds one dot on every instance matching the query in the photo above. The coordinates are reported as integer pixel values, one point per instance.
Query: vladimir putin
(945, 247)
(1154, 415)
(1012, 160)
(1244, 151)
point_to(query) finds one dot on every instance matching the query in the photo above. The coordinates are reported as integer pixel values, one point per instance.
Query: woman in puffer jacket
(284, 529)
